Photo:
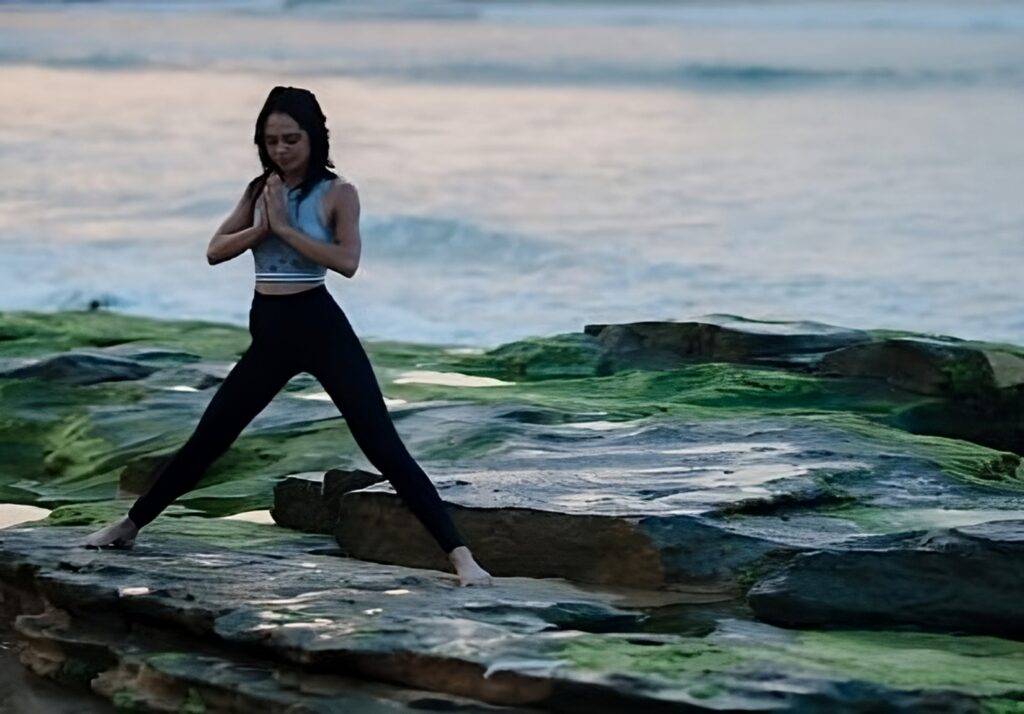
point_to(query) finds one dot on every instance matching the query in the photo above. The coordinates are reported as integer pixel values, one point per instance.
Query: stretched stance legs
(292, 333)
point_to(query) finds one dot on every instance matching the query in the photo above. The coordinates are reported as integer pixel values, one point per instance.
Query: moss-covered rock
(281, 624)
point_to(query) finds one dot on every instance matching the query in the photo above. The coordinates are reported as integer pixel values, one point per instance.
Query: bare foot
(119, 534)
(470, 572)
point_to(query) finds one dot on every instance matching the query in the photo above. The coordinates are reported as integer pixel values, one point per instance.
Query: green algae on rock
(164, 623)
(658, 503)
(725, 448)
(934, 667)
(33, 334)
(68, 442)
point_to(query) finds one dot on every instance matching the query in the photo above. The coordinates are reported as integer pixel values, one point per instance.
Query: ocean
(527, 168)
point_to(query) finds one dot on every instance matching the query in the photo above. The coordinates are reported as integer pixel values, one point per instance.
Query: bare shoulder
(342, 186)
(343, 196)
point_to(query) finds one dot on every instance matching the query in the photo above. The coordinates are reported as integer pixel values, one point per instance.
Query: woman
(302, 220)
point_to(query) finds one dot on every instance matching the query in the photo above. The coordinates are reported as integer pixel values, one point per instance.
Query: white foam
(323, 396)
(263, 517)
(601, 425)
(11, 514)
(448, 379)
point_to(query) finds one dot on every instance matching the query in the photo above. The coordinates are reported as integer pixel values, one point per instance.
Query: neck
(294, 179)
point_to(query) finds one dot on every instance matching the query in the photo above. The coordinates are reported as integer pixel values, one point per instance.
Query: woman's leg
(344, 370)
(259, 374)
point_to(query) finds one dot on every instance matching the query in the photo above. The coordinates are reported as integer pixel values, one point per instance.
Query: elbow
(347, 267)
(212, 257)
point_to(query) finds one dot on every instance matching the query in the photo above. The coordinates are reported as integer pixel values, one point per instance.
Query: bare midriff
(283, 288)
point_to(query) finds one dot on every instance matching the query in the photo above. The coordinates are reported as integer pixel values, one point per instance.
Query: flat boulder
(655, 504)
(942, 366)
(278, 620)
(79, 367)
(723, 338)
(966, 579)
(309, 501)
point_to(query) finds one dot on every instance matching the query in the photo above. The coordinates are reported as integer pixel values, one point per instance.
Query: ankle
(459, 553)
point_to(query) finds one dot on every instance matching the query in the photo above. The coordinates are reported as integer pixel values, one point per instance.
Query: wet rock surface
(651, 505)
(658, 502)
(143, 668)
(965, 579)
(941, 366)
(78, 368)
(309, 501)
(723, 338)
(979, 386)
(180, 621)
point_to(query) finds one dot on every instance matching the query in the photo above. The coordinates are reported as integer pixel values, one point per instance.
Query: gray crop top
(278, 262)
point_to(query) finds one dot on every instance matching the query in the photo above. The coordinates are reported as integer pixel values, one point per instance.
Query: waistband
(318, 293)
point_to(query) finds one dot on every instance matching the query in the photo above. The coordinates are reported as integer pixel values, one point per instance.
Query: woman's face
(287, 143)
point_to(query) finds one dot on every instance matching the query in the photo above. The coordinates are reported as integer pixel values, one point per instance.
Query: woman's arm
(342, 254)
(232, 237)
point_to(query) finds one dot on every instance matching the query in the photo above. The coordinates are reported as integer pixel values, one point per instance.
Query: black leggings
(301, 332)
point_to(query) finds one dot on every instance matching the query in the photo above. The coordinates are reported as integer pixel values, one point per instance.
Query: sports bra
(278, 262)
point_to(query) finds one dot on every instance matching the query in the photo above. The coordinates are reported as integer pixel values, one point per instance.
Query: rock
(80, 368)
(980, 384)
(67, 443)
(658, 504)
(153, 669)
(722, 338)
(195, 377)
(980, 387)
(274, 622)
(567, 355)
(147, 354)
(233, 596)
(141, 473)
(309, 501)
(966, 579)
(937, 366)
(22, 691)
(710, 476)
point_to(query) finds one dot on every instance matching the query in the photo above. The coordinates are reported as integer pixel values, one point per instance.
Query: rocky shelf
(289, 625)
(720, 514)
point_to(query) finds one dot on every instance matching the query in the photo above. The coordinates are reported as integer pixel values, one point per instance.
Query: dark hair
(302, 106)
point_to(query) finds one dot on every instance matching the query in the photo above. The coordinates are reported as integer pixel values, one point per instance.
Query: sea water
(527, 168)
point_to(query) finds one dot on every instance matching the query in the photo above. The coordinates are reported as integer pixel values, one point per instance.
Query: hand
(276, 202)
(260, 220)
